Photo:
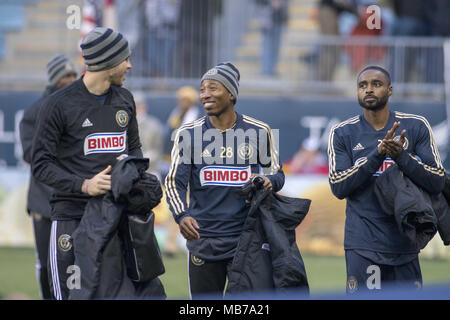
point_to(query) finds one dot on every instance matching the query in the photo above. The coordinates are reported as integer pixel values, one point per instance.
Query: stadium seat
(11, 16)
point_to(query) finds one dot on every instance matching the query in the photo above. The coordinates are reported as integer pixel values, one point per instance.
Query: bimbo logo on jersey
(105, 142)
(224, 176)
(384, 166)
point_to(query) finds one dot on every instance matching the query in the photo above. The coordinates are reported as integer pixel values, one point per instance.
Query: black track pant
(364, 275)
(41, 228)
(61, 257)
(207, 279)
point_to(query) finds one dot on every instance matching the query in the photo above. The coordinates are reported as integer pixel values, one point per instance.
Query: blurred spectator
(131, 21)
(410, 20)
(328, 17)
(162, 17)
(438, 17)
(186, 111)
(92, 17)
(128, 16)
(439, 22)
(308, 160)
(273, 15)
(197, 25)
(150, 134)
(363, 53)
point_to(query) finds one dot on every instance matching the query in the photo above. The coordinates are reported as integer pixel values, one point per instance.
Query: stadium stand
(30, 32)
(299, 26)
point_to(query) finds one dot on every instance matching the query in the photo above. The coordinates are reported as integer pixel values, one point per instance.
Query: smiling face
(215, 98)
(374, 90)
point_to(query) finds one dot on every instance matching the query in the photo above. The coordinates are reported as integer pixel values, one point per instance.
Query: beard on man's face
(117, 80)
(373, 103)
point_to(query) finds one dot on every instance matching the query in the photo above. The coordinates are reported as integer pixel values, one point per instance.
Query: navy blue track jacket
(212, 171)
(354, 164)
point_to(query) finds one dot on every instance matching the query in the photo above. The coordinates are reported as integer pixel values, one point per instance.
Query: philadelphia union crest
(352, 284)
(122, 118)
(64, 242)
(197, 261)
(245, 151)
(211, 72)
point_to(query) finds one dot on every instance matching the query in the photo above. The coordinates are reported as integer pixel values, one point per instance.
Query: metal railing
(205, 32)
(327, 65)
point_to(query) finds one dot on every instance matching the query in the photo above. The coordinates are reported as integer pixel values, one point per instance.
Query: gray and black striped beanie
(58, 67)
(227, 74)
(103, 48)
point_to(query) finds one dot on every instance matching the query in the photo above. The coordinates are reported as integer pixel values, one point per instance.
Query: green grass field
(17, 273)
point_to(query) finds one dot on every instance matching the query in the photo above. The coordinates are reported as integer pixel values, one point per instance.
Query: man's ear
(232, 99)
(390, 90)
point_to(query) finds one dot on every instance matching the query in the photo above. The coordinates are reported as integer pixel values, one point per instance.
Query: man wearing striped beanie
(213, 218)
(61, 73)
(83, 130)
(106, 55)
(228, 75)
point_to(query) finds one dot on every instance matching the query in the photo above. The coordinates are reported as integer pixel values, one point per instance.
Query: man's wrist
(181, 216)
(85, 186)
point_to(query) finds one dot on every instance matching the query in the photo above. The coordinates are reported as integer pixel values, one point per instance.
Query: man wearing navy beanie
(82, 130)
(213, 218)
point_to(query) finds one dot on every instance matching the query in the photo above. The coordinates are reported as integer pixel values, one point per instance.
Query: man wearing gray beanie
(60, 73)
(212, 222)
(106, 55)
(83, 130)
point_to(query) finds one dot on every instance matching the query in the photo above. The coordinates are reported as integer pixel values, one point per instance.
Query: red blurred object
(365, 53)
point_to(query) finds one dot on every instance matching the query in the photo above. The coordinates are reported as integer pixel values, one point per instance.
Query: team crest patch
(197, 261)
(122, 118)
(417, 284)
(405, 144)
(211, 72)
(245, 151)
(37, 216)
(352, 284)
(64, 242)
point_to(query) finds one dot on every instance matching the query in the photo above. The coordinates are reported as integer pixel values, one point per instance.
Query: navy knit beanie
(227, 74)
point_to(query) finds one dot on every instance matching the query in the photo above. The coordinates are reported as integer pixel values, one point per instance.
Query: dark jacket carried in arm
(418, 214)
(116, 249)
(267, 256)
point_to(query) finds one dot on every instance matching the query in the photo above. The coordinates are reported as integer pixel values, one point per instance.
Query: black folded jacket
(409, 204)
